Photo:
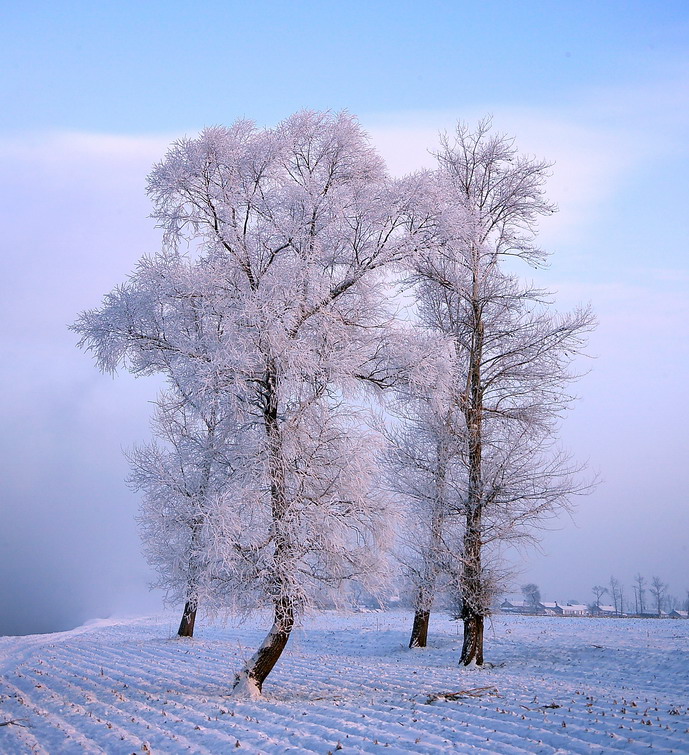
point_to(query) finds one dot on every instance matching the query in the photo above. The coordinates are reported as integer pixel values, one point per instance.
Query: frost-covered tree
(186, 475)
(291, 229)
(616, 590)
(507, 368)
(164, 320)
(420, 470)
(658, 591)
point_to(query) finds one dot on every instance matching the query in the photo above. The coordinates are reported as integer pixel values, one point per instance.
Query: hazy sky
(92, 93)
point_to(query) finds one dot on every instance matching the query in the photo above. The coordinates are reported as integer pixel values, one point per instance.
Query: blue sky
(91, 94)
(153, 67)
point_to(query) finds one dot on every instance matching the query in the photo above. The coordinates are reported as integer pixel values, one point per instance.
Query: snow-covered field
(349, 683)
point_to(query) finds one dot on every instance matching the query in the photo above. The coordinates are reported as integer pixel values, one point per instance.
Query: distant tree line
(648, 598)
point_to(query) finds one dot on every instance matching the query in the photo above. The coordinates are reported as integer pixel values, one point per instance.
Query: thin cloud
(595, 142)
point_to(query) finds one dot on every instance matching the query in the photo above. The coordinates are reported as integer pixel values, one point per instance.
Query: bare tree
(506, 359)
(598, 591)
(615, 590)
(420, 468)
(532, 595)
(639, 593)
(422, 471)
(658, 591)
(292, 228)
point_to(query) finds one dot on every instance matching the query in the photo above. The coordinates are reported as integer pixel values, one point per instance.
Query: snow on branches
(275, 322)
(475, 459)
(268, 313)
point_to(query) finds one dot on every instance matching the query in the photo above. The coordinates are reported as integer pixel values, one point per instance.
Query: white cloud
(595, 143)
(588, 162)
(64, 147)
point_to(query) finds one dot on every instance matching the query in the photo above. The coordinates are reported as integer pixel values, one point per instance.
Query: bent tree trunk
(186, 626)
(251, 678)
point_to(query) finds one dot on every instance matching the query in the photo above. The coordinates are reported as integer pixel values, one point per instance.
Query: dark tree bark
(473, 589)
(419, 630)
(186, 626)
(472, 647)
(265, 658)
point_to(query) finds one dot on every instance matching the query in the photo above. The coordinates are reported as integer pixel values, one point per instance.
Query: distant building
(575, 610)
(651, 613)
(571, 608)
(522, 607)
(603, 611)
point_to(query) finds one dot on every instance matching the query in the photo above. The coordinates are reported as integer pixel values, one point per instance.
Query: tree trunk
(186, 626)
(251, 678)
(472, 647)
(433, 555)
(419, 630)
(473, 592)
(473, 588)
(472, 581)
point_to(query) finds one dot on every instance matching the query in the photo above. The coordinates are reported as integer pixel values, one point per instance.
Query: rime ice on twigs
(266, 311)
(474, 457)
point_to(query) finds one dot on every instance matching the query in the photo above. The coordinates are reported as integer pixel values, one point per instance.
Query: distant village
(542, 608)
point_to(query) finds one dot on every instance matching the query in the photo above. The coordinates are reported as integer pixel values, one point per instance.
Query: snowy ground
(349, 683)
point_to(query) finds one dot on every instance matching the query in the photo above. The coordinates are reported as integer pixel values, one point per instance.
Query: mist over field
(93, 98)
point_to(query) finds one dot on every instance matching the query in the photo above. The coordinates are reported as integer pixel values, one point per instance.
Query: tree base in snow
(262, 661)
(419, 631)
(186, 626)
(472, 647)
(245, 688)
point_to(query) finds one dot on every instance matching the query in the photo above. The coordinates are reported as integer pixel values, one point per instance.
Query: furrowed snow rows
(349, 683)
